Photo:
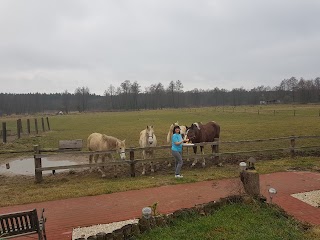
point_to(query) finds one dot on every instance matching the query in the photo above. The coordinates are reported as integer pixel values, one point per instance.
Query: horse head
(193, 133)
(121, 147)
(150, 134)
(183, 131)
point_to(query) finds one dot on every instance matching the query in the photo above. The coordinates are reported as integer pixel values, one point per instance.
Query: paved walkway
(64, 215)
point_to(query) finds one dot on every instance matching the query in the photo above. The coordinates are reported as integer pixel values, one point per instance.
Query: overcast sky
(53, 46)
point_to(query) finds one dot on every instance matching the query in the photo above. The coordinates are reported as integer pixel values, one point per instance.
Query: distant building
(274, 101)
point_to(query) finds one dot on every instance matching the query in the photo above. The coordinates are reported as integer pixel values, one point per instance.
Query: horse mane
(197, 125)
(170, 131)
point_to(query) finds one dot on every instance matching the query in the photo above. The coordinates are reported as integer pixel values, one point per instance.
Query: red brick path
(64, 215)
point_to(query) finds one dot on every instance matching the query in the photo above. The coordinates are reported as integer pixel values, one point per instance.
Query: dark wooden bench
(21, 224)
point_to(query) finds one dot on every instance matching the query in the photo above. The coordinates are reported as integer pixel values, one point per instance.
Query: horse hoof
(203, 164)
(103, 176)
(143, 173)
(152, 170)
(220, 165)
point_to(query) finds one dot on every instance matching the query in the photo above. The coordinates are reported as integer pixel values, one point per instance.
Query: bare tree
(66, 97)
(109, 93)
(171, 89)
(82, 95)
(135, 90)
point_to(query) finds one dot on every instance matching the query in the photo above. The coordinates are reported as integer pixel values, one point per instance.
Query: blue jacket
(176, 138)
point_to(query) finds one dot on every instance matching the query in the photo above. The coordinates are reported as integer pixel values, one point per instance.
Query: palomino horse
(199, 132)
(147, 139)
(183, 130)
(102, 142)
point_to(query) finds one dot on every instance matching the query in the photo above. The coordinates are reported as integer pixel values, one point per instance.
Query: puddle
(26, 166)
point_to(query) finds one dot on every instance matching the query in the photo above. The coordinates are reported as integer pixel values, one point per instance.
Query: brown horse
(199, 132)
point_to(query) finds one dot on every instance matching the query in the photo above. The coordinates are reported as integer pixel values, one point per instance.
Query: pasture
(239, 123)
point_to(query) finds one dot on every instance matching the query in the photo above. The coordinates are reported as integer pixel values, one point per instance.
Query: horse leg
(143, 169)
(195, 158)
(115, 167)
(151, 163)
(143, 164)
(188, 159)
(101, 169)
(90, 161)
(203, 158)
(96, 157)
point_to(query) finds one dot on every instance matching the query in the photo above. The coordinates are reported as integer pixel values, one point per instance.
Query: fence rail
(133, 160)
(39, 169)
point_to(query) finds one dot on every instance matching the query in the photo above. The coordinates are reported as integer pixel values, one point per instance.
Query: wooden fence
(45, 124)
(38, 154)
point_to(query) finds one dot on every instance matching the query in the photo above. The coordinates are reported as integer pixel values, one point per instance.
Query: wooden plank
(70, 144)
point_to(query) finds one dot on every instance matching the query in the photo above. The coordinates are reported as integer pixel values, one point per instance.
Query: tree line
(129, 96)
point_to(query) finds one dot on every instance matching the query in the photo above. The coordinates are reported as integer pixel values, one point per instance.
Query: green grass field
(240, 123)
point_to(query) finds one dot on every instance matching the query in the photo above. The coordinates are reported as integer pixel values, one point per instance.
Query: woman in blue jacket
(177, 150)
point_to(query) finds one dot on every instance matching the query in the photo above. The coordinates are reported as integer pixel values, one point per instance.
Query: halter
(123, 154)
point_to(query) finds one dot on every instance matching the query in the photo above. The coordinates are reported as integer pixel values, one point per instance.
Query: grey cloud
(59, 45)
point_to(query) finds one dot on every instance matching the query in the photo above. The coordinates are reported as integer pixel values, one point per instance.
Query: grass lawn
(235, 221)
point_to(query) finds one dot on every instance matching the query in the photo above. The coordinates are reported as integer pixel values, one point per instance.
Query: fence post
(294, 112)
(251, 182)
(48, 123)
(258, 112)
(132, 164)
(36, 125)
(19, 128)
(28, 125)
(293, 143)
(216, 151)
(37, 164)
(4, 132)
(42, 123)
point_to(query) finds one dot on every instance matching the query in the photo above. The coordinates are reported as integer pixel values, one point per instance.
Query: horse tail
(169, 137)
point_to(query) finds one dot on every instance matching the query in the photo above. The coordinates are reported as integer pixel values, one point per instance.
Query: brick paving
(64, 215)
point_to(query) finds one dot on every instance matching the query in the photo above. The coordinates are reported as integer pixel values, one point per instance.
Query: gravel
(93, 230)
(312, 198)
